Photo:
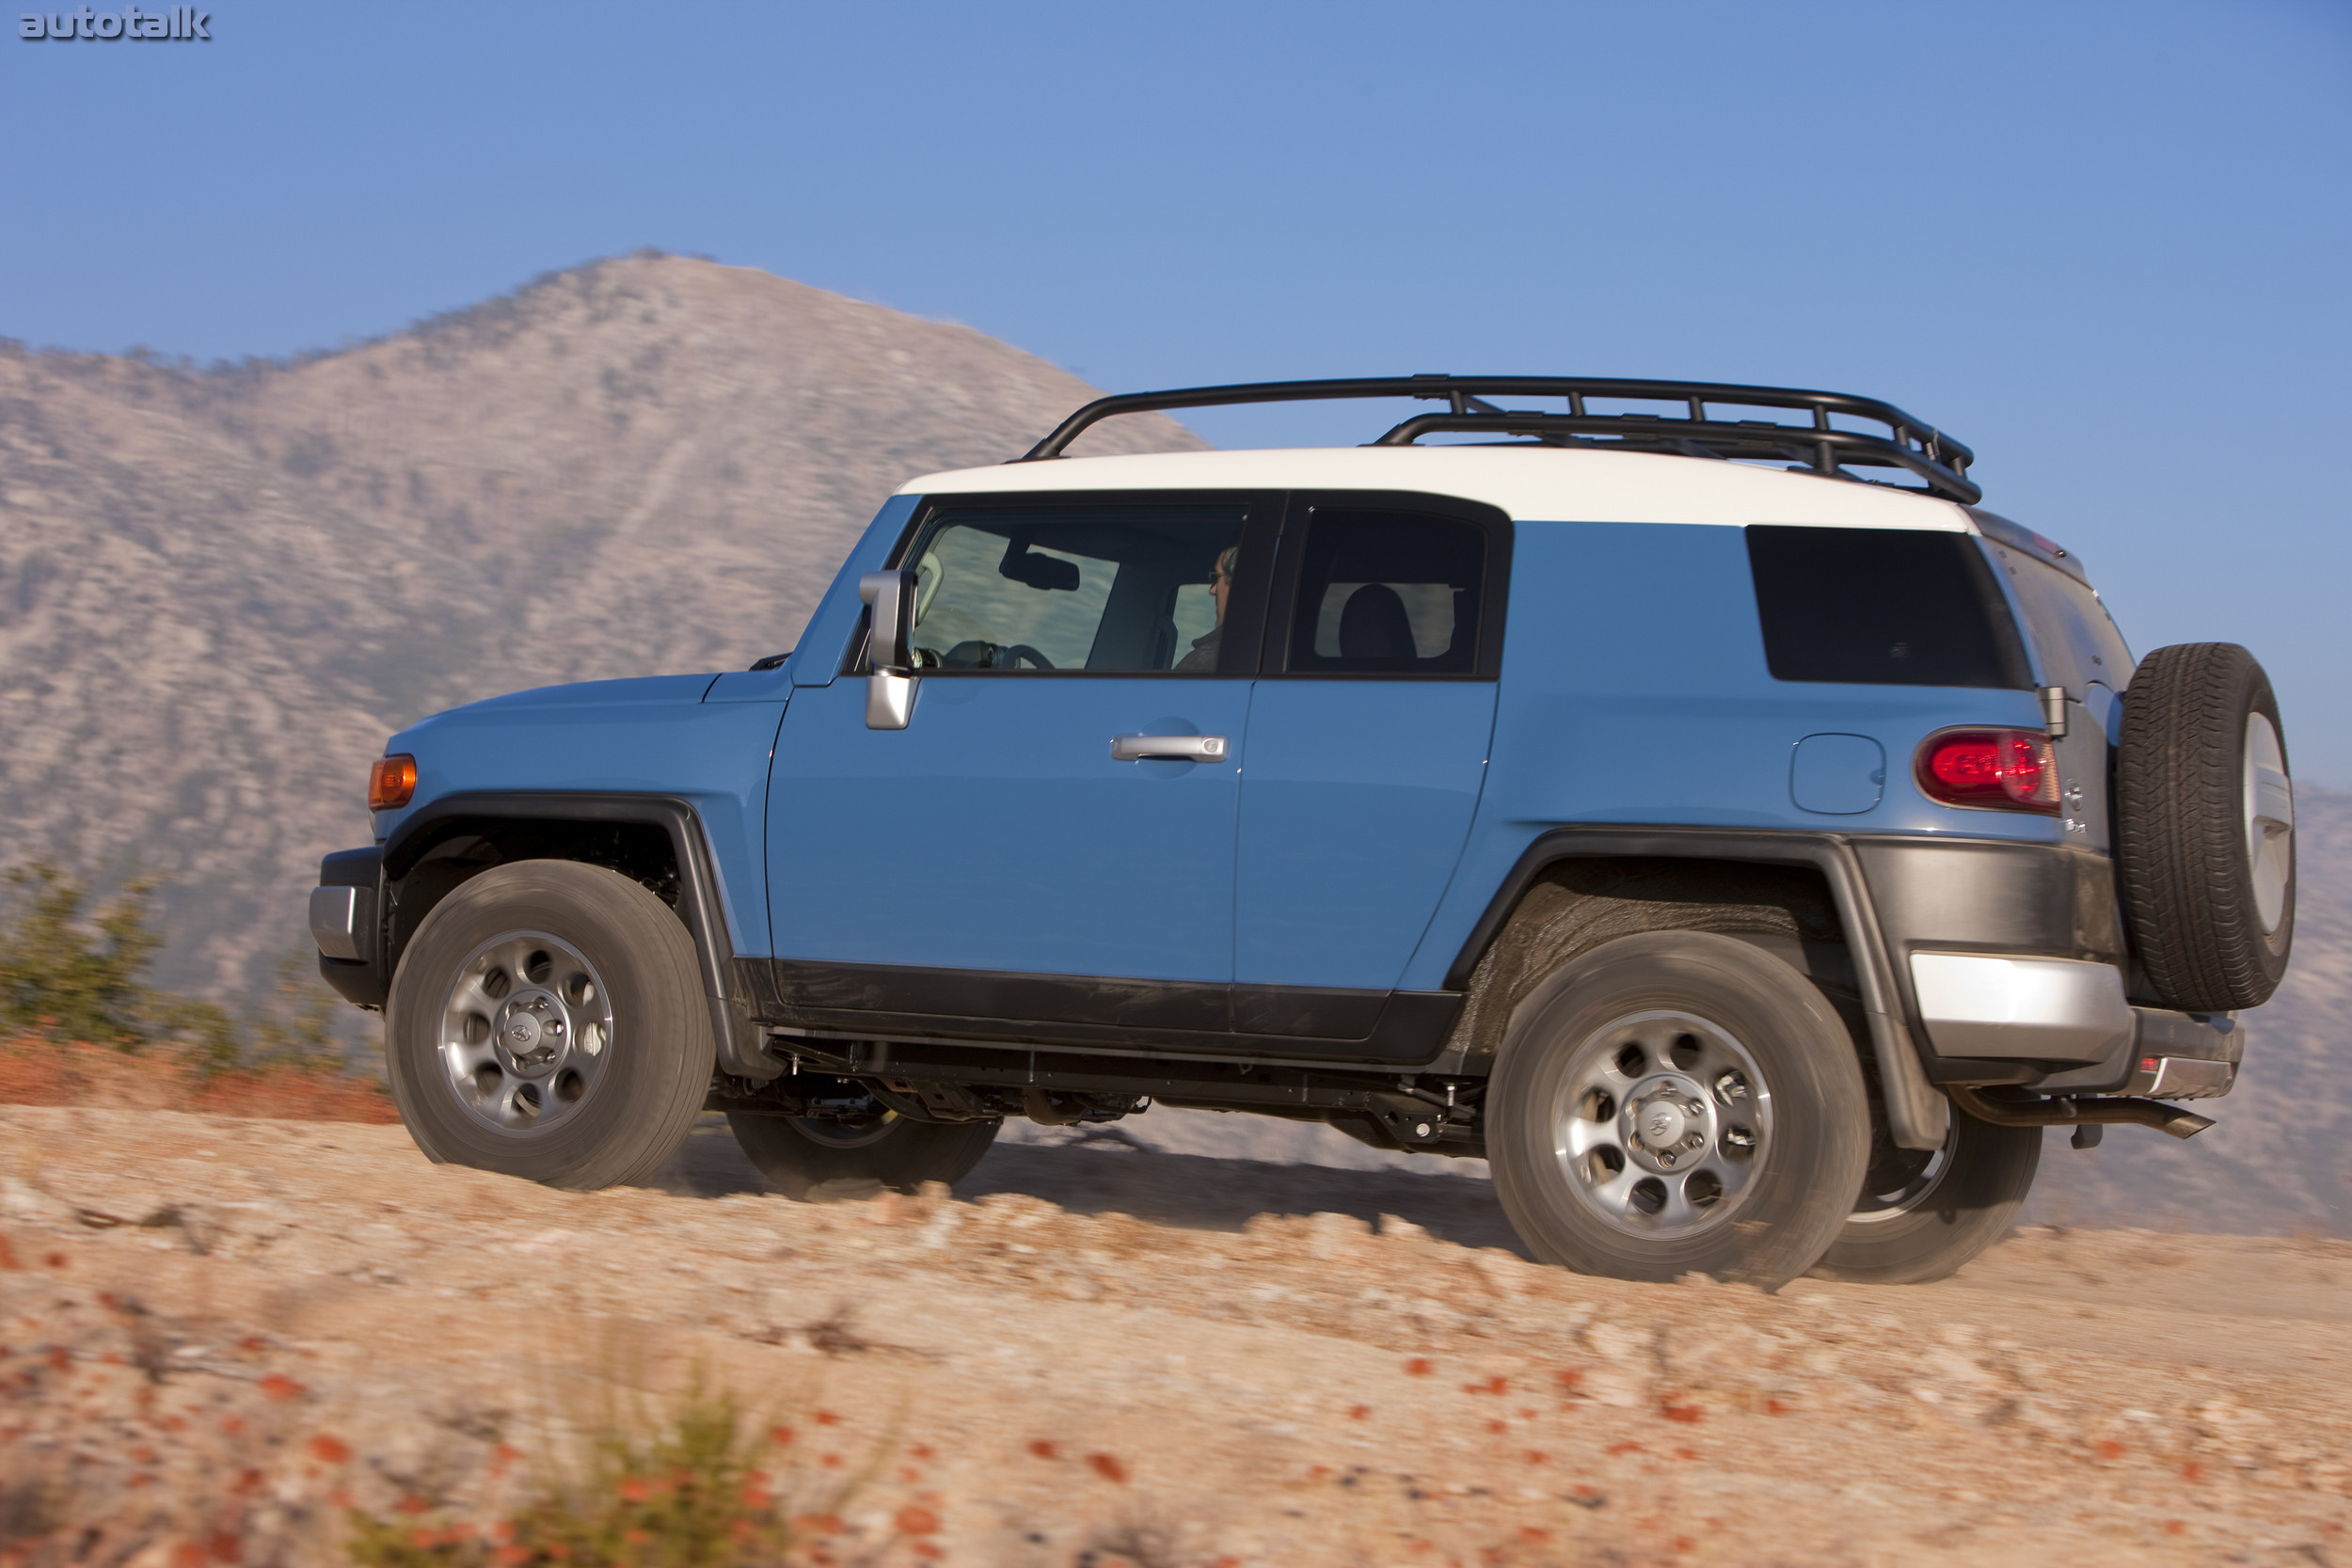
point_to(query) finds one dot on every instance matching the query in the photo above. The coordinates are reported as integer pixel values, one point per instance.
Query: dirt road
(218, 1333)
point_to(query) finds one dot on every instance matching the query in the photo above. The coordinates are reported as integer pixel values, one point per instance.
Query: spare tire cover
(2204, 830)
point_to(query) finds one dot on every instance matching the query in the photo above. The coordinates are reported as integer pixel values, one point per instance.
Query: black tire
(1630, 1044)
(809, 1159)
(627, 1018)
(2208, 891)
(1923, 1214)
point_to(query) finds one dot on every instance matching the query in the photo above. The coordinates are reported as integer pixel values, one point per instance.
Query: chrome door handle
(1168, 748)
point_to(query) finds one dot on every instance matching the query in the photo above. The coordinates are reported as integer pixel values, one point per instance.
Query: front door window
(1062, 590)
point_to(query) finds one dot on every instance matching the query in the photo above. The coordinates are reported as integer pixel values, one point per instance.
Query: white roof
(1529, 482)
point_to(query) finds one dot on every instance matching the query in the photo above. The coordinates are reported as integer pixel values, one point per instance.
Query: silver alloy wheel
(1917, 1183)
(526, 1032)
(2268, 797)
(1662, 1122)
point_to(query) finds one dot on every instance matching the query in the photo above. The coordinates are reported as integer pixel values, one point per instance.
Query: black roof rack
(1910, 444)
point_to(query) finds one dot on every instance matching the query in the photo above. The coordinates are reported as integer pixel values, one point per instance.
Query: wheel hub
(532, 1030)
(1664, 1118)
(524, 1033)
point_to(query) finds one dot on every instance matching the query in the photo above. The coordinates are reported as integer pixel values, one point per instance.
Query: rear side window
(1387, 593)
(1883, 607)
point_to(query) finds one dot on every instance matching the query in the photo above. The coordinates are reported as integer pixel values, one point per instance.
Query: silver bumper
(1992, 1006)
(341, 919)
(1995, 1007)
(2186, 1056)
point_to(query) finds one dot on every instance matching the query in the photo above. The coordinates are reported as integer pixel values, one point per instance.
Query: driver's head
(1221, 584)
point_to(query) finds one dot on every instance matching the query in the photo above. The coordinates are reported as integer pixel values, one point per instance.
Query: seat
(1373, 627)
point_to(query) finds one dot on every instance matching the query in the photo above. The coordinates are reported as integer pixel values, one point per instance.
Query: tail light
(2005, 770)
(391, 781)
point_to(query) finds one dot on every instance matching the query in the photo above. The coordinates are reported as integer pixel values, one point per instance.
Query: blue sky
(2105, 244)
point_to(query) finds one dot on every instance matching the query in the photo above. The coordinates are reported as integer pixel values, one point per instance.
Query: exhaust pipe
(2061, 1111)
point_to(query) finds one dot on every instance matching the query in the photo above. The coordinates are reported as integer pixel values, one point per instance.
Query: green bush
(61, 979)
(73, 975)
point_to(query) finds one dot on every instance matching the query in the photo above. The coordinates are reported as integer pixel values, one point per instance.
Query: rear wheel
(548, 1021)
(845, 1156)
(1923, 1214)
(1678, 1103)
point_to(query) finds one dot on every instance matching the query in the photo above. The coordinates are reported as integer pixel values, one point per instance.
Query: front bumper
(346, 923)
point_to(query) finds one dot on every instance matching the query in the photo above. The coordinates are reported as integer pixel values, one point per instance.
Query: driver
(1203, 659)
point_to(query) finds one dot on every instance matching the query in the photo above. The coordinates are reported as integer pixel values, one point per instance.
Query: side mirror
(890, 689)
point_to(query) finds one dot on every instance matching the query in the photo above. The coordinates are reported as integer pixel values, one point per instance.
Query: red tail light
(391, 781)
(2005, 770)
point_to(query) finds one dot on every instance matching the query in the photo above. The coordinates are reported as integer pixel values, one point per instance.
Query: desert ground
(220, 1336)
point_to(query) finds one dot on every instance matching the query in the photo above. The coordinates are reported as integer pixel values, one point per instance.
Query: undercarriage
(849, 1080)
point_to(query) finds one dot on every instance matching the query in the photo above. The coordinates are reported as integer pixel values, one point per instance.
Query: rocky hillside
(220, 590)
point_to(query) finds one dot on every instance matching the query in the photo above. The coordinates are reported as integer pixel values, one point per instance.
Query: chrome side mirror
(890, 689)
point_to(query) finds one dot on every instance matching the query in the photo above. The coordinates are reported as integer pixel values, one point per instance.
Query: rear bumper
(1999, 1005)
(2068, 1020)
(2185, 1055)
(2012, 956)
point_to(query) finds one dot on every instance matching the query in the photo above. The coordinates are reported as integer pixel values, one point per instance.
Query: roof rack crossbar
(1829, 452)
(1911, 444)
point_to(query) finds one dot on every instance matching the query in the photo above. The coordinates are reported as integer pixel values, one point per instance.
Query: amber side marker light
(2003, 769)
(391, 781)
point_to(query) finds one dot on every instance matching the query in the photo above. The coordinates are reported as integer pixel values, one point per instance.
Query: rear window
(1883, 607)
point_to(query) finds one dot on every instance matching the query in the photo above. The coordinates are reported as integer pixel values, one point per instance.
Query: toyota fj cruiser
(1687, 799)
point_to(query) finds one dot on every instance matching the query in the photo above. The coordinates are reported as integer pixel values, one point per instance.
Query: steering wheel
(1019, 652)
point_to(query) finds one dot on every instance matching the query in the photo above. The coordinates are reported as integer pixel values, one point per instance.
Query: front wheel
(1923, 1214)
(1678, 1103)
(548, 1021)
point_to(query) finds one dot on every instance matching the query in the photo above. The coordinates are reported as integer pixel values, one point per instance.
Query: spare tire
(2204, 828)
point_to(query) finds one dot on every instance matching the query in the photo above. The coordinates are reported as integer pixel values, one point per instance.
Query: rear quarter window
(1883, 607)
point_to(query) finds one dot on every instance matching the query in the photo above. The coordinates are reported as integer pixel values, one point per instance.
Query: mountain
(220, 590)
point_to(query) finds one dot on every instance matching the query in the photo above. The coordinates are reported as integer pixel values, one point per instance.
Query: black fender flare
(738, 1040)
(1915, 1112)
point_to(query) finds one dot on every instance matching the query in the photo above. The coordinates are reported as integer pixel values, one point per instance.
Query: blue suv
(1684, 797)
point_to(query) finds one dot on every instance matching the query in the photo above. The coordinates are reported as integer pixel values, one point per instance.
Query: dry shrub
(704, 1485)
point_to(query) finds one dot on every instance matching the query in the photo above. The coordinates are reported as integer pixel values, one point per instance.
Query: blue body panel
(1352, 839)
(996, 832)
(651, 736)
(1356, 803)
(1647, 701)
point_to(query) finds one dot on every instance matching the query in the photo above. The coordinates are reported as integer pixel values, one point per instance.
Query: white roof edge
(1531, 483)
